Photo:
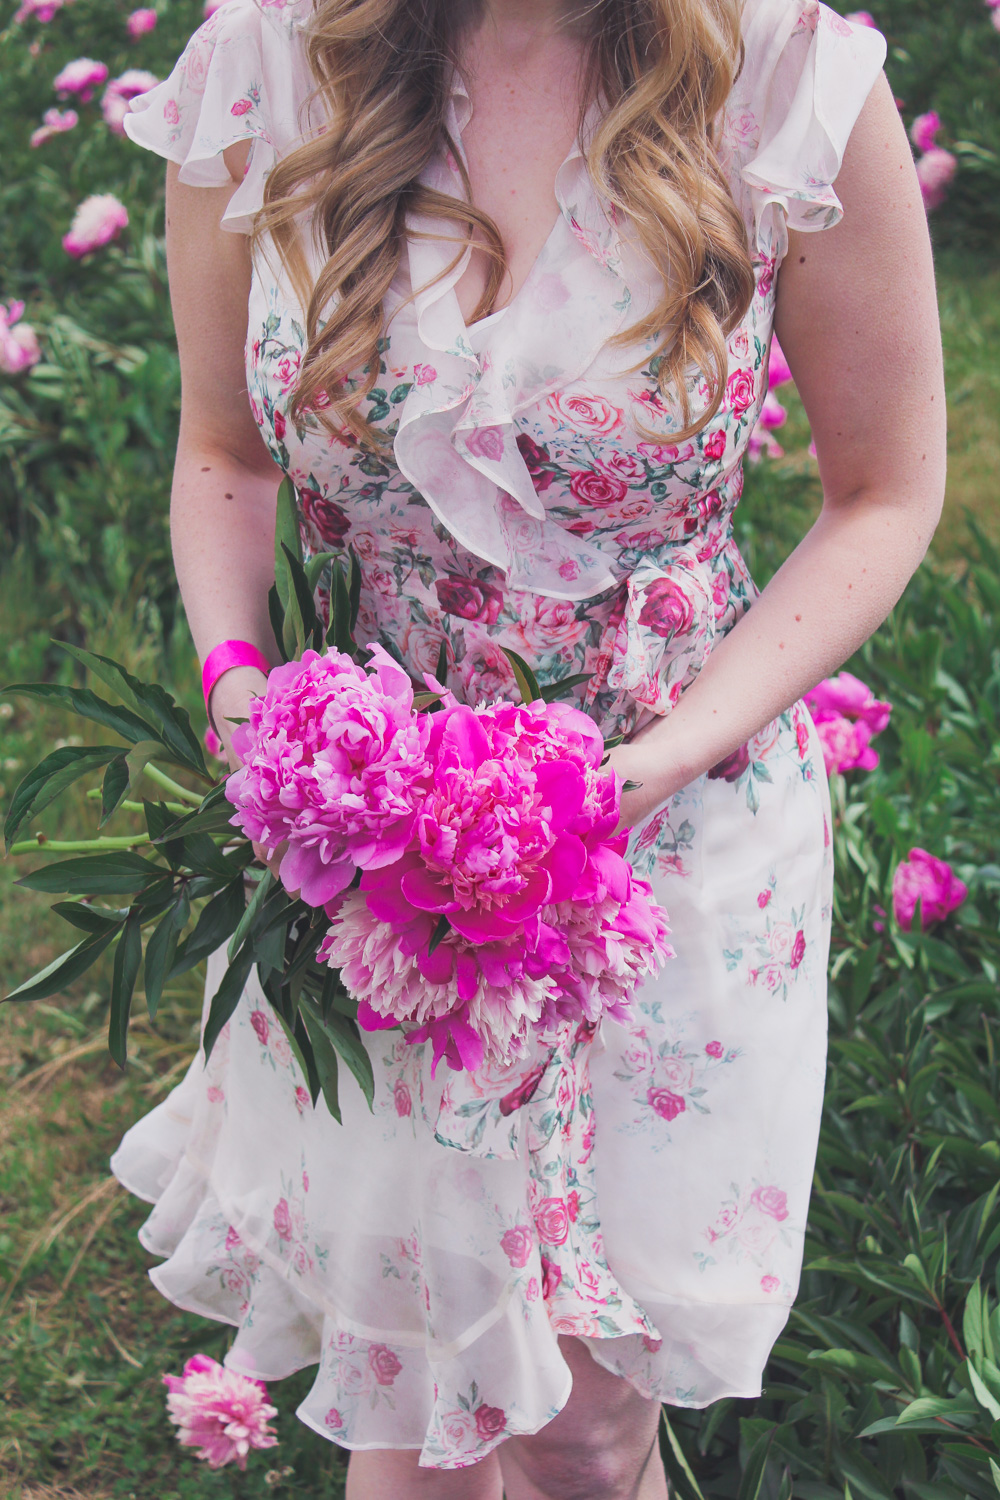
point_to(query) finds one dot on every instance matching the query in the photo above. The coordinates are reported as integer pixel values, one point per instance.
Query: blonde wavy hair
(665, 69)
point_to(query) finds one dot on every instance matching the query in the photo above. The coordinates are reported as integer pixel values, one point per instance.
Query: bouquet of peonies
(454, 871)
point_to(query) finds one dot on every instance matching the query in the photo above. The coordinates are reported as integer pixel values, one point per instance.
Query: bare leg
(601, 1446)
(384, 1474)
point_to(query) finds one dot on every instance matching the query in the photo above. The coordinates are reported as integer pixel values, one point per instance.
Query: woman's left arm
(857, 319)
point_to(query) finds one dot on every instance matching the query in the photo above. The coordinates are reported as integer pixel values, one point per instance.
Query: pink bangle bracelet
(223, 658)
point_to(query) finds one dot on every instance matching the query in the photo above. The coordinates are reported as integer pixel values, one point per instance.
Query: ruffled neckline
(457, 440)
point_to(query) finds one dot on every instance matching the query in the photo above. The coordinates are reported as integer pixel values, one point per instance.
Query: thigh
(395, 1474)
(602, 1443)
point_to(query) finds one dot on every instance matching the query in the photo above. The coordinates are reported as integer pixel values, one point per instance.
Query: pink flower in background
(18, 341)
(772, 413)
(930, 882)
(115, 100)
(847, 716)
(924, 129)
(98, 220)
(80, 77)
(139, 22)
(40, 10)
(334, 763)
(778, 369)
(219, 1413)
(935, 170)
(860, 17)
(54, 122)
(761, 443)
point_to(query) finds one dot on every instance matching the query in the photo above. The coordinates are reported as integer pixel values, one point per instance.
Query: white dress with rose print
(643, 1186)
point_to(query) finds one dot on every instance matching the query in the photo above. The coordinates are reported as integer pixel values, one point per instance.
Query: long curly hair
(665, 69)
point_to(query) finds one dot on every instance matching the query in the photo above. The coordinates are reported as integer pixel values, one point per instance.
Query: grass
(83, 1334)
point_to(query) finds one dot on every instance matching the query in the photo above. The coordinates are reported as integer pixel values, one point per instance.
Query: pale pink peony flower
(778, 369)
(935, 170)
(924, 129)
(116, 97)
(54, 122)
(761, 443)
(18, 341)
(139, 22)
(211, 6)
(772, 413)
(930, 882)
(40, 10)
(80, 77)
(335, 763)
(219, 1413)
(98, 220)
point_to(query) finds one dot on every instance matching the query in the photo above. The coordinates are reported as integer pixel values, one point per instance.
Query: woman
(531, 433)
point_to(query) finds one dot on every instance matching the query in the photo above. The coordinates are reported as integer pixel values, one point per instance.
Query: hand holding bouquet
(449, 869)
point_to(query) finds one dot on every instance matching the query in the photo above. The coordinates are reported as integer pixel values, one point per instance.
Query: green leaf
(226, 998)
(50, 778)
(354, 587)
(116, 784)
(150, 703)
(116, 874)
(161, 950)
(62, 971)
(88, 705)
(679, 1457)
(324, 1056)
(314, 568)
(128, 956)
(346, 1037)
(526, 680)
(139, 757)
(564, 686)
(981, 1393)
(753, 1475)
(276, 614)
(441, 669)
(441, 929)
(338, 634)
(87, 918)
(260, 895)
(213, 928)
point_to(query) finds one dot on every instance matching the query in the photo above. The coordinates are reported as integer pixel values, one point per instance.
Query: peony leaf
(526, 680)
(116, 784)
(167, 721)
(257, 900)
(89, 706)
(442, 928)
(62, 971)
(128, 957)
(324, 1057)
(50, 778)
(117, 874)
(564, 686)
(345, 1036)
(227, 998)
(88, 918)
(354, 587)
(161, 949)
(217, 920)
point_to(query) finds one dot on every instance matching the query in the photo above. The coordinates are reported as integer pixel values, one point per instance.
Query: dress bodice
(531, 493)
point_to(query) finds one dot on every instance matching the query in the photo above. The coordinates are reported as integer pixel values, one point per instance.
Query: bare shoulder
(857, 318)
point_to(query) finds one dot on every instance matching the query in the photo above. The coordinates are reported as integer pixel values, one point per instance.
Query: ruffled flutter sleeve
(807, 74)
(240, 77)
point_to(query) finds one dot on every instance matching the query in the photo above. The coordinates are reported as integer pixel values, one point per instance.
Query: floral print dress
(643, 1187)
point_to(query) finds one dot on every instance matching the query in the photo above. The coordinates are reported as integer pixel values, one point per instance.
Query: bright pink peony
(18, 341)
(778, 369)
(935, 169)
(845, 745)
(924, 129)
(98, 220)
(772, 413)
(40, 10)
(54, 122)
(80, 77)
(335, 764)
(847, 716)
(139, 22)
(860, 17)
(929, 881)
(221, 1414)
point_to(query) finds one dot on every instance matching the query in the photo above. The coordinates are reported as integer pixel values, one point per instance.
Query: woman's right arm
(225, 482)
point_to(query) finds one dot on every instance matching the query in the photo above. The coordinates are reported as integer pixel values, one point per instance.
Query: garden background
(886, 1381)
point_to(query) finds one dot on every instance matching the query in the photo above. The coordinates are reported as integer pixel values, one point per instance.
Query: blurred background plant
(886, 1382)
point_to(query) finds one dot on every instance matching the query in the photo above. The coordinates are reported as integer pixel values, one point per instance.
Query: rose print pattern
(643, 1187)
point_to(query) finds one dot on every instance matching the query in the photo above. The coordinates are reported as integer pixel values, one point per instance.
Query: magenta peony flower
(80, 77)
(18, 344)
(860, 17)
(54, 122)
(778, 370)
(335, 764)
(41, 10)
(772, 413)
(116, 97)
(935, 170)
(931, 882)
(847, 716)
(98, 220)
(221, 1414)
(924, 129)
(139, 22)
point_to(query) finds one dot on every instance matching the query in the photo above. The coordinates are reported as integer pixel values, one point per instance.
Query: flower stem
(193, 799)
(180, 808)
(78, 846)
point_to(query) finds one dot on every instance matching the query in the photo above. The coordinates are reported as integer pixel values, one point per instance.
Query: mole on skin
(228, 495)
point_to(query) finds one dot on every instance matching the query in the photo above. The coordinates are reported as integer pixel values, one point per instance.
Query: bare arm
(857, 319)
(225, 481)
